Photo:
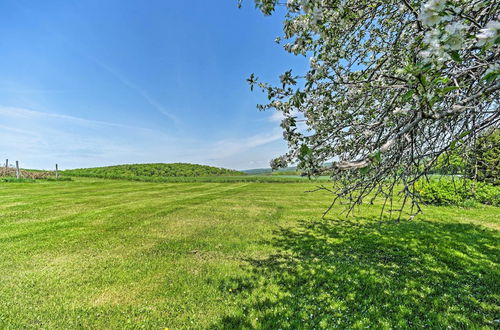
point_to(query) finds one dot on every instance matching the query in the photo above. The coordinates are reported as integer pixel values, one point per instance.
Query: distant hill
(261, 171)
(152, 170)
(290, 170)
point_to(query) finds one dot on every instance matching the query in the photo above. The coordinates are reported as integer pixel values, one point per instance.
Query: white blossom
(455, 28)
(430, 12)
(489, 33)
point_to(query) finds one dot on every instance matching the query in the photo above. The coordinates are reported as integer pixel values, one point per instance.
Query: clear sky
(93, 83)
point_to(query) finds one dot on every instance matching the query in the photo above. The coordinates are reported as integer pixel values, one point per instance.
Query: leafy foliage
(447, 191)
(451, 163)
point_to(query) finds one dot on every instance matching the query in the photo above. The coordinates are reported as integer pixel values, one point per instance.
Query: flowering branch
(392, 84)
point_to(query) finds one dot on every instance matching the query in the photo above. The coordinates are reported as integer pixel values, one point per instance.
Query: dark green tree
(484, 163)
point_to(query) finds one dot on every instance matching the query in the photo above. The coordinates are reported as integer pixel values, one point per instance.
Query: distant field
(94, 253)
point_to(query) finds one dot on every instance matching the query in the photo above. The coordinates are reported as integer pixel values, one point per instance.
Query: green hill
(159, 170)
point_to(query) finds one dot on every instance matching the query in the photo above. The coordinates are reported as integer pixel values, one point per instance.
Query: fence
(9, 170)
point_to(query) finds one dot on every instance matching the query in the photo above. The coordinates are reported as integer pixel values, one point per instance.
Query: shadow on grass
(358, 274)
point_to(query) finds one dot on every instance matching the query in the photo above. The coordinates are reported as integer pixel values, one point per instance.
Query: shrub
(447, 191)
(487, 194)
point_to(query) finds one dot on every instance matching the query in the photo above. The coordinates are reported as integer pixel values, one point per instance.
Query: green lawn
(92, 253)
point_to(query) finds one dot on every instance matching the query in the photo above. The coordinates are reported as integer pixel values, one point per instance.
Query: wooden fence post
(18, 174)
(57, 172)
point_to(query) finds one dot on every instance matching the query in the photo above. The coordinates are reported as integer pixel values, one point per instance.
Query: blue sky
(93, 83)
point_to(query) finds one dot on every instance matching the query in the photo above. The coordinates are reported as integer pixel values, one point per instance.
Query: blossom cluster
(448, 31)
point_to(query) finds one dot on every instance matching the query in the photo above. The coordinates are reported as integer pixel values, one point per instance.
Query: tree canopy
(391, 85)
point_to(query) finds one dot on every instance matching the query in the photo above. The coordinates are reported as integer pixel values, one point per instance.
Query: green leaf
(490, 77)
(408, 95)
(441, 80)
(448, 89)
(423, 80)
(459, 138)
(364, 170)
(455, 56)
(305, 152)
(464, 134)
(426, 67)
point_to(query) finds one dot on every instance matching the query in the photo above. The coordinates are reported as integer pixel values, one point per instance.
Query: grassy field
(94, 253)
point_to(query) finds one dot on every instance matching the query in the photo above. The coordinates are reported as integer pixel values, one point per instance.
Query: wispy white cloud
(33, 115)
(249, 152)
(40, 139)
(145, 95)
(232, 147)
(276, 117)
